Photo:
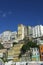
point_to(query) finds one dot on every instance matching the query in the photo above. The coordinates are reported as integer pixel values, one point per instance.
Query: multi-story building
(39, 41)
(35, 54)
(22, 31)
(37, 31)
(7, 36)
(14, 37)
(25, 31)
(29, 31)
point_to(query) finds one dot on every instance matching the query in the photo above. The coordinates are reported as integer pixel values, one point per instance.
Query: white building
(14, 36)
(29, 31)
(8, 37)
(35, 51)
(37, 31)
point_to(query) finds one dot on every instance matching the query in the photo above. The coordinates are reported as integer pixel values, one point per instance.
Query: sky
(14, 12)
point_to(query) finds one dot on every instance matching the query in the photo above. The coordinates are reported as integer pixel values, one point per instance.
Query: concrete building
(37, 31)
(7, 45)
(29, 31)
(8, 36)
(39, 41)
(14, 37)
(25, 31)
(35, 54)
(22, 31)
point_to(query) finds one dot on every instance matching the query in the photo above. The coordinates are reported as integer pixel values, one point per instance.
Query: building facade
(35, 54)
(37, 31)
(8, 36)
(22, 31)
(29, 31)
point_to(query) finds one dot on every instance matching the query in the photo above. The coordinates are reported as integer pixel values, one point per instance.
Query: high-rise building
(29, 31)
(14, 36)
(37, 31)
(25, 31)
(22, 31)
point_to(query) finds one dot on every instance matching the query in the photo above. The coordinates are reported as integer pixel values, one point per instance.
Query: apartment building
(25, 31)
(8, 36)
(29, 31)
(22, 31)
(35, 54)
(14, 36)
(37, 31)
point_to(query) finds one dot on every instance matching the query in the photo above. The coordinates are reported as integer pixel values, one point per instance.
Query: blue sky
(14, 12)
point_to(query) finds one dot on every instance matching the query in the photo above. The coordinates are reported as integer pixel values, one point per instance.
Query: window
(42, 53)
(41, 48)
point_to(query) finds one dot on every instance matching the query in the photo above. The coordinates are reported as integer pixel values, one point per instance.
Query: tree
(27, 47)
(1, 46)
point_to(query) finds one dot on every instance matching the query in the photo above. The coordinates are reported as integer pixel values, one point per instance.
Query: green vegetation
(27, 47)
(1, 46)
